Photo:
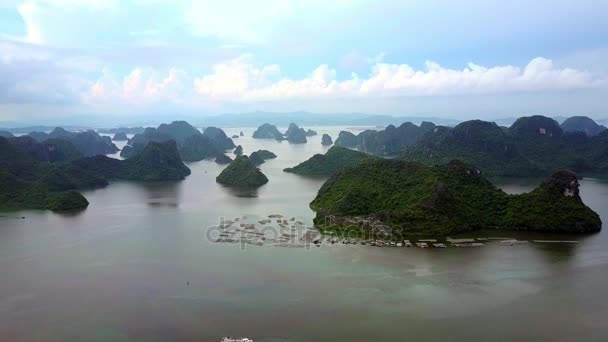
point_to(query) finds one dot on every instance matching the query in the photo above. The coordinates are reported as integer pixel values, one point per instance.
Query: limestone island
(238, 151)
(268, 131)
(120, 136)
(336, 158)
(242, 172)
(326, 140)
(47, 175)
(400, 198)
(260, 156)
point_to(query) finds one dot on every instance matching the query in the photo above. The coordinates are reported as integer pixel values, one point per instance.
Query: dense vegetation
(532, 146)
(46, 175)
(582, 124)
(242, 172)
(89, 143)
(397, 197)
(260, 156)
(327, 164)
(346, 139)
(191, 143)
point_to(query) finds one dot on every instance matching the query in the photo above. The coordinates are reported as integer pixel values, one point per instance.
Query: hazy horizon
(129, 60)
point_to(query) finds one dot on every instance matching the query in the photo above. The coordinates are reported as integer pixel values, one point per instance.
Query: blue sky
(464, 59)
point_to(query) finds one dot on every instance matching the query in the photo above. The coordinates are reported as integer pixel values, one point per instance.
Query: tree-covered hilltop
(336, 158)
(382, 196)
(191, 143)
(346, 139)
(260, 156)
(89, 143)
(268, 131)
(532, 146)
(242, 172)
(32, 176)
(582, 124)
(388, 142)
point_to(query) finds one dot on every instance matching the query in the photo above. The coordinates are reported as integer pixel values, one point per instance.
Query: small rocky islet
(242, 172)
(294, 133)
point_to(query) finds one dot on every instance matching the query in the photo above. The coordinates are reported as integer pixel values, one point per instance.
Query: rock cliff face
(295, 134)
(388, 142)
(409, 198)
(238, 151)
(120, 136)
(326, 140)
(219, 138)
(242, 172)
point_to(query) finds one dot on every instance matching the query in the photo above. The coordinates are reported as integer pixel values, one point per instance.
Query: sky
(88, 59)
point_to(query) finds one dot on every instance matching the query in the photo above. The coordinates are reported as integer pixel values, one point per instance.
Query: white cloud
(241, 80)
(140, 86)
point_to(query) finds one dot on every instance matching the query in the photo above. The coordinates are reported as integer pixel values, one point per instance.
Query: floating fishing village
(278, 231)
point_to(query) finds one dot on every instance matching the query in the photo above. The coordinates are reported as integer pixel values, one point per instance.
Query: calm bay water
(136, 265)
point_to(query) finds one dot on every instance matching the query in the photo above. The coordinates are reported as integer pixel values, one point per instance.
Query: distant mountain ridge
(89, 143)
(532, 146)
(388, 142)
(192, 144)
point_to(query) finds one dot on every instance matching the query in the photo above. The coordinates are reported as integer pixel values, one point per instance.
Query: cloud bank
(241, 80)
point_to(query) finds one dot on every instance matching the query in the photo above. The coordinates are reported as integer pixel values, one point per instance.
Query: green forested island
(191, 143)
(242, 172)
(398, 197)
(260, 156)
(89, 143)
(532, 146)
(47, 175)
(388, 142)
(327, 164)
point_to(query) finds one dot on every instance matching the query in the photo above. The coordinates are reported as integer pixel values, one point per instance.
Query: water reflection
(72, 213)
(241, 191)
(162, 194)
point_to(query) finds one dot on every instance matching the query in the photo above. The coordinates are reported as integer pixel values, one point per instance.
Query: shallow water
(138, 265)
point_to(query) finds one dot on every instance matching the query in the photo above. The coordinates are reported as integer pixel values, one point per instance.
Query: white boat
(231, 339)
